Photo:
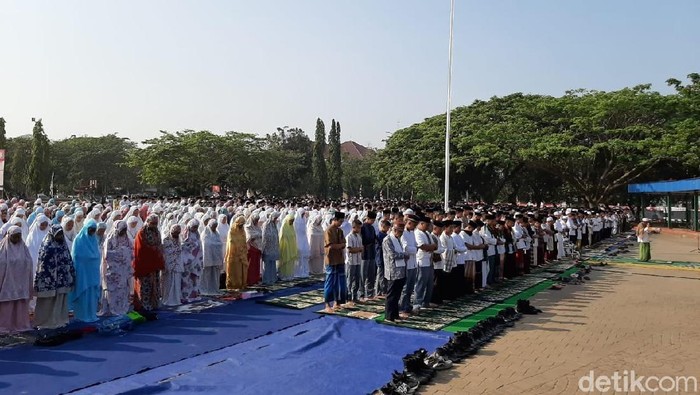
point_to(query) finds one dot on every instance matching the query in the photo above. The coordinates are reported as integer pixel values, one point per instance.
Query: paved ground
(626, 318)
(675, 246)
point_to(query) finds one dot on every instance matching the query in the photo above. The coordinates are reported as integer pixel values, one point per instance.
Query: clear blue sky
(136, 67)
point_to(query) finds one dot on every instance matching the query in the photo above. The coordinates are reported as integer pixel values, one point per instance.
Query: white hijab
(300, 228)
(36, 237)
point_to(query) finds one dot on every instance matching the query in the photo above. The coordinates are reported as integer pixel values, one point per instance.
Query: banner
(2, 169)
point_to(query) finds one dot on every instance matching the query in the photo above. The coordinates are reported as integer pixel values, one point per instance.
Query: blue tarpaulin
(678, 186)
(97, 359)
(331, 355)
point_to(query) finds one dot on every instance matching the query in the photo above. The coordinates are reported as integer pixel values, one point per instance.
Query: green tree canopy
(19, 152)
(77, 160)
(586, 145)
(40, 162)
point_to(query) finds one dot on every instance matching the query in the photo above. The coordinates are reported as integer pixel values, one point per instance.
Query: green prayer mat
(468, 322)
(437, 318)
(653, 262)
(452, 313)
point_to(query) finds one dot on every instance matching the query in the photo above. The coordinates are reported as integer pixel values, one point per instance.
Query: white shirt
(559, 227)
(353, 241)
(519, 236)
(490, 240)
(435, 239)
(501, 248)
(460, 248)
(469, 255)
(478, 255)
(572, 227)
(597, 224)
(424, 258)
(448, 258)
(644, 238)
(408, 240)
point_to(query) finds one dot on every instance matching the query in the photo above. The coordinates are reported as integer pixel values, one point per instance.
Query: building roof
(678, 186)
(354, 150)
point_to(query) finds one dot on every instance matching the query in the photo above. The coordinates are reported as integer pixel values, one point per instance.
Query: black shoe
(401, 388)
(410, 380)
(478, 335)
(452, 352)
(412, 367)
(524, 307)
(512, 313)
(503, 321)
(421, 355)
(387, 389)
(438, 362)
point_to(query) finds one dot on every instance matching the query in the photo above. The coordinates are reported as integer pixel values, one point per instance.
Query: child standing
(353, 262)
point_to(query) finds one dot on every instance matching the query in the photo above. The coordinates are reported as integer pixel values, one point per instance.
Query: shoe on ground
(402, 377)
(438, 362)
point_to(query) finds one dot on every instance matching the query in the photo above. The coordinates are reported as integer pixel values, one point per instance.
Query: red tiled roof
(352, 150)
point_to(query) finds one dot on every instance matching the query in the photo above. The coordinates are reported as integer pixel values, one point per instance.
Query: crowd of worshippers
(89, 260)
(418, 258)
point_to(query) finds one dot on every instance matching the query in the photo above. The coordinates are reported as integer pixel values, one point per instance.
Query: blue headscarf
(32, 216)
(86, 257)
(57, 219)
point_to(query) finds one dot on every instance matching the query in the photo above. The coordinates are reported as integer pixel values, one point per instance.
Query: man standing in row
(335, 286)
(408, 240)
(394, 270)
(424, 257)
(369, 256)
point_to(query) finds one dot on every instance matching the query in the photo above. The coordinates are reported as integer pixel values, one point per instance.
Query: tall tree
(319, 160)
(38, 176)
(77, 160)
(3, 138)
(335, 172)
(292, 151)
(19, 150)
(584, 146)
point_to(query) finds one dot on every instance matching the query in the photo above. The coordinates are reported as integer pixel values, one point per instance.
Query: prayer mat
(17, 339)
(281, 285)
(652, 263)
(454, 311)
(298, 301)
(196, 307)
(368, 310)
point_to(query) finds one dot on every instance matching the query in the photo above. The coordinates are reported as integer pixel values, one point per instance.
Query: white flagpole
(449, 106)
